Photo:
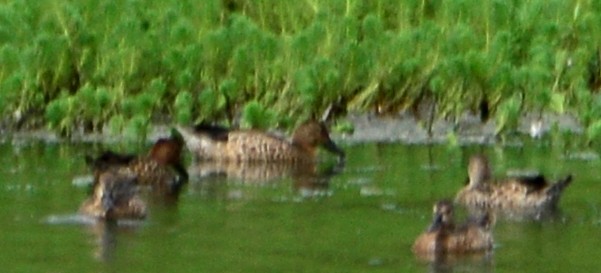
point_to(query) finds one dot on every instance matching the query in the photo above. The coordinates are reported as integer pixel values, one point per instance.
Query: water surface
(359, 218)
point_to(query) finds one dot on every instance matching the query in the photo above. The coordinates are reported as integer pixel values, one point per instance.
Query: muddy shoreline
(399, 128)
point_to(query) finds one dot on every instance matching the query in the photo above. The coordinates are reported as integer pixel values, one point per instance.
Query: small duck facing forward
(444, 237)
(515, 196)
(115, 197)
(211, 143)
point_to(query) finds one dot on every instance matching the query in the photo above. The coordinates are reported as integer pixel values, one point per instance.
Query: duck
(215, 143)
(531, 195)
(161, 168)
(115, 197)
(444, 237)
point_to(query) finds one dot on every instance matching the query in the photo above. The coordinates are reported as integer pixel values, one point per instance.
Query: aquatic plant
(254, 115)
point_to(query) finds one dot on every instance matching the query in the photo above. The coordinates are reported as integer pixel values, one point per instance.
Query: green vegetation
(92, 64)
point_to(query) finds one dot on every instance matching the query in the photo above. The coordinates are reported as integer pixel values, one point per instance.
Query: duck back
(443, 237)
(114, 197)
(519, 197)
(242, 146)
(210, 143)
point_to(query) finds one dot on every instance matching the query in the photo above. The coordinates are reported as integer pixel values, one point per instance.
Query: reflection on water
(376, 205)
(459, 263)
(105, 238)
(103, 233)
(308, 179)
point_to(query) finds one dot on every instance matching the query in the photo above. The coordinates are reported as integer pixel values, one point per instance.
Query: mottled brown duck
(161, 168)
(515, 196)
(219, 144)
(115, 197)
(444, 237)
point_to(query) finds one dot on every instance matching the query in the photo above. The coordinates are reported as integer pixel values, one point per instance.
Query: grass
(123, 65)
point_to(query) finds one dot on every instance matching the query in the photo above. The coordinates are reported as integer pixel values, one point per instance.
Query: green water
(364, 220)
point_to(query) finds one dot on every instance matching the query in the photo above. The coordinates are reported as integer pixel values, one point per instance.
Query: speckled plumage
(253, 145)
(152, 173)
(443, 237)
(518, 195)
(160, 168)
(114, 197)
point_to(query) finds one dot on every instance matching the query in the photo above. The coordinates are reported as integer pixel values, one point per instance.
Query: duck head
(478, 170)
(168, 152)
(443, 215)
(312, 134)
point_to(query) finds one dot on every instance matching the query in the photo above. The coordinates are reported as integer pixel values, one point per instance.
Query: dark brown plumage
(162, 167)
(526, 195)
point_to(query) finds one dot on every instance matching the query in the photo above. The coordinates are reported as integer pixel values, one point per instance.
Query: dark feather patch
(216, 132)
(533, 183)
(108, 159)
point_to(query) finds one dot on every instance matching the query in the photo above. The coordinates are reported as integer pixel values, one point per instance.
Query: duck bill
(436, 223)
(331, 147)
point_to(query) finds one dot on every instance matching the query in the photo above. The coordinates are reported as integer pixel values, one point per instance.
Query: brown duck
(115, 197)
(209, 143)
(527, 195)
(161, 168)
(443, 237)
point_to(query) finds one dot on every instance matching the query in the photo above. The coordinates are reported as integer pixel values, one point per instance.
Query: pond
(360, 217)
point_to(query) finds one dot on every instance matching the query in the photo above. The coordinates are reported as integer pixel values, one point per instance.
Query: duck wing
(533, 183)
(108, 159)
(215, 132)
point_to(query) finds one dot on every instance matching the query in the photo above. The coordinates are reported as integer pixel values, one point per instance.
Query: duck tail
(192, 140)
(557, 188)
(185, 132)
(215, 132)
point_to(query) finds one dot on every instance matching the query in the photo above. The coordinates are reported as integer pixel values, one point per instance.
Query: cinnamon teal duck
(162, 167)
(114, 197)
(530, 196)
(209, 143)
(444, 237)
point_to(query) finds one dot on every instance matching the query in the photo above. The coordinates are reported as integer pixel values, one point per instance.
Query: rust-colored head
(478, 170)
(312, 134)
(168, 151)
